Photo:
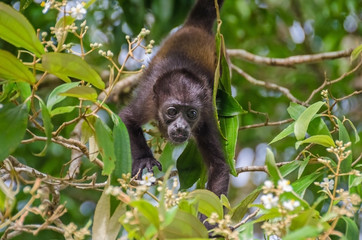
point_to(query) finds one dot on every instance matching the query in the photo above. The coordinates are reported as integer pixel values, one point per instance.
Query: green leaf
(24, 4)
(323, 140)
(81, 92)
(54, 96)
(147, 210)
(295, 110)
(304, 233)
(354, 130)
(352, 231)
(104, 140)
(302, 123)
(185, 225)
(303, 183)
(303, 165)
(62, 110)
(356, 53)
(48, 126)
(14, 120)
(16, 29)
(12, 69)
(208, 202)
(271, 166)
(230, 129)
(286, 132)
(122, 148)
(227, 106)
(189, 165)
(344, 137)
(289, 168)
(166, 158)
(241, 209)
(25, 92)
(318, 127)
(72, 66)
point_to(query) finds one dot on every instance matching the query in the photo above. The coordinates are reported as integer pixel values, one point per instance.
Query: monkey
(176, 91)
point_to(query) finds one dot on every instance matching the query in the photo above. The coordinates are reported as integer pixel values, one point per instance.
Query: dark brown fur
(181, 76)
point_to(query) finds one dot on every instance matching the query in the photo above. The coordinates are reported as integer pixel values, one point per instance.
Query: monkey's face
(178, 121)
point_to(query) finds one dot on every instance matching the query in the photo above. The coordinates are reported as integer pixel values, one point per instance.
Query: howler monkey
(176, 91)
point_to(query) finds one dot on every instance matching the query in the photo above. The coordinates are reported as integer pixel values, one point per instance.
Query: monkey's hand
(148, 163)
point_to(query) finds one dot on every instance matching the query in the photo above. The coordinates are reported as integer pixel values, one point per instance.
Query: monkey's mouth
(178, 138)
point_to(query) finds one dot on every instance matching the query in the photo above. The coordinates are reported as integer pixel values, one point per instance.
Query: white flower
(269, 201)
(284, 185)
(78, 11)
(148, 179)
(46, 6)
(327, 184)
(291, 204)
(268, 186)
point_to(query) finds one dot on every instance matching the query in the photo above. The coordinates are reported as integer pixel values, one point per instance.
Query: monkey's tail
(203, 14)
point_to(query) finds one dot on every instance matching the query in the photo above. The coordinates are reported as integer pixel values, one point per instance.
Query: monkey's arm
(208, 139)
(141, 153)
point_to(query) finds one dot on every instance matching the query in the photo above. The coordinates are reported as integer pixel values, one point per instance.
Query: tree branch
(289, 61)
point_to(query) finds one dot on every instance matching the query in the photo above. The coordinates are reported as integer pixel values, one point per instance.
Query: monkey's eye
(192, 114)
(171, 112)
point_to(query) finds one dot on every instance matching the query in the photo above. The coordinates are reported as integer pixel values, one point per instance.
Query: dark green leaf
(54, 96)
(12, 69)
(352, 231)
(303, 183)
(16, 29)
(323, 140)
(189, 165)
(318, 127)
(81, 92)
(208, 202)
(242, 208)
(48, 126)
(302, 123)
(14, 120)
(122, 148)
(104, 140)
(227, 106)
(72, 66)
(344, 137)
(304, 233)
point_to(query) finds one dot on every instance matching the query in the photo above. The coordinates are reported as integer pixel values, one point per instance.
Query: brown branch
(266, 124)
(258, 168)
(289, 61)
(268, 85)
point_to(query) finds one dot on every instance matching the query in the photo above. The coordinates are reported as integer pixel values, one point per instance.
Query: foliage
(60, 144)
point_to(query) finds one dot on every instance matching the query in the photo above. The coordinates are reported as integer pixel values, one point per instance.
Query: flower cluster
(324, 94)
(340, 150)
(171, 198)
(75, 9)
(222, 226)
(272, 199)
(347, 203)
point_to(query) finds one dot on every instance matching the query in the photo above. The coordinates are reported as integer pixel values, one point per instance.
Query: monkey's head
(181, 101)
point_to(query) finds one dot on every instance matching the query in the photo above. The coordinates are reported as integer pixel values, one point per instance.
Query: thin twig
(266, 124)
(289, 61)
(250, 216)
(268, 85)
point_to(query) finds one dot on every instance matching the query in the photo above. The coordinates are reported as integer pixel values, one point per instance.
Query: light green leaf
(104, 140)
(185, 225)
(271, 166)
(208, 202)
(295, 110)
(286, 132)
(10, 137)
(286, 169)
(304, 233)
(12, 69)
(303, 183)
(122, 148)
(323, 140)
(166, 158)
(148, 211)
(352, 231)
(356, 53)
(241, 209)
(72, 66)
(81, 92)
(303, 165)
(16, 29)
(54, 96)
(302, 123)
(230, 129)
(62, 110)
